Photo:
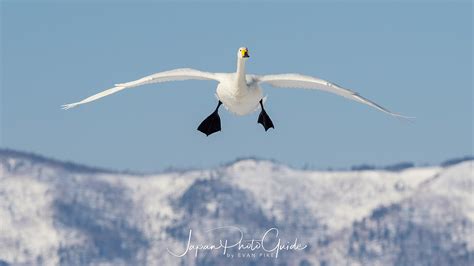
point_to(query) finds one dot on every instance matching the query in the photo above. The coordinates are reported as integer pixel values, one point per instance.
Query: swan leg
(264, 119)
(212, 123)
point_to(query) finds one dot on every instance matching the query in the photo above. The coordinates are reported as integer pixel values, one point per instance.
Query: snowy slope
(55, 213)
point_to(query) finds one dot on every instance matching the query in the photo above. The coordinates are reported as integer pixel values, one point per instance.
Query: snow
(141, 209)
(26, 224)
(355, 193)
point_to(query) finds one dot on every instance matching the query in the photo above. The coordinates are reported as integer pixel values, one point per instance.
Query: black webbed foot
(264, 119)
(212, 123)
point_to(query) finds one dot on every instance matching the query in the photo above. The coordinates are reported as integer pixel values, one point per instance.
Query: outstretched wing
(172, 75)
(307, 82)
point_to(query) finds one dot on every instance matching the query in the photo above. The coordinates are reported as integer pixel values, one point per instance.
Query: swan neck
(241, 71)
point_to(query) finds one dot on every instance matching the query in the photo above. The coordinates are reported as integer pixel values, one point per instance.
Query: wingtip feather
(404, 118)
(68, 106)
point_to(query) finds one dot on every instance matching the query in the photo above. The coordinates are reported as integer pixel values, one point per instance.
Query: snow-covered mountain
(61, 213)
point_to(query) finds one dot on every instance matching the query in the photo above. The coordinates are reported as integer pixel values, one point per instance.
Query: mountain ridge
(55, 215)
(79, 167)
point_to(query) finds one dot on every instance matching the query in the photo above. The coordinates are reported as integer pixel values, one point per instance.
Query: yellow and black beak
(245, 53)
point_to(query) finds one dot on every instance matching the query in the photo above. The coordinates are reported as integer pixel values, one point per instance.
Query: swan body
(239, 92)
(240, 100)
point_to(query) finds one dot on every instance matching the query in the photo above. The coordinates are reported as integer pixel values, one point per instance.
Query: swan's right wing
(172, 75)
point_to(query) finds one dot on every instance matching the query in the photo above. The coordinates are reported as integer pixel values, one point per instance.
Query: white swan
(239, 92)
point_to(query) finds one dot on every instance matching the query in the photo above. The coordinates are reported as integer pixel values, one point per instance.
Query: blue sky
(413, 58)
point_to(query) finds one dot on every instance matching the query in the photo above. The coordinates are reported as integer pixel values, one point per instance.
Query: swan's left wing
(307, 82)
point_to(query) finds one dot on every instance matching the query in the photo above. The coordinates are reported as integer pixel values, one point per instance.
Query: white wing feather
(307, 82)
(171, 75)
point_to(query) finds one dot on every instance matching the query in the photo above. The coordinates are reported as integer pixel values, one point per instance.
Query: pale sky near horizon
(413, 58)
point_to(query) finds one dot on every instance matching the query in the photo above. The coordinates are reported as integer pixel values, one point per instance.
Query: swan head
(243, 53)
